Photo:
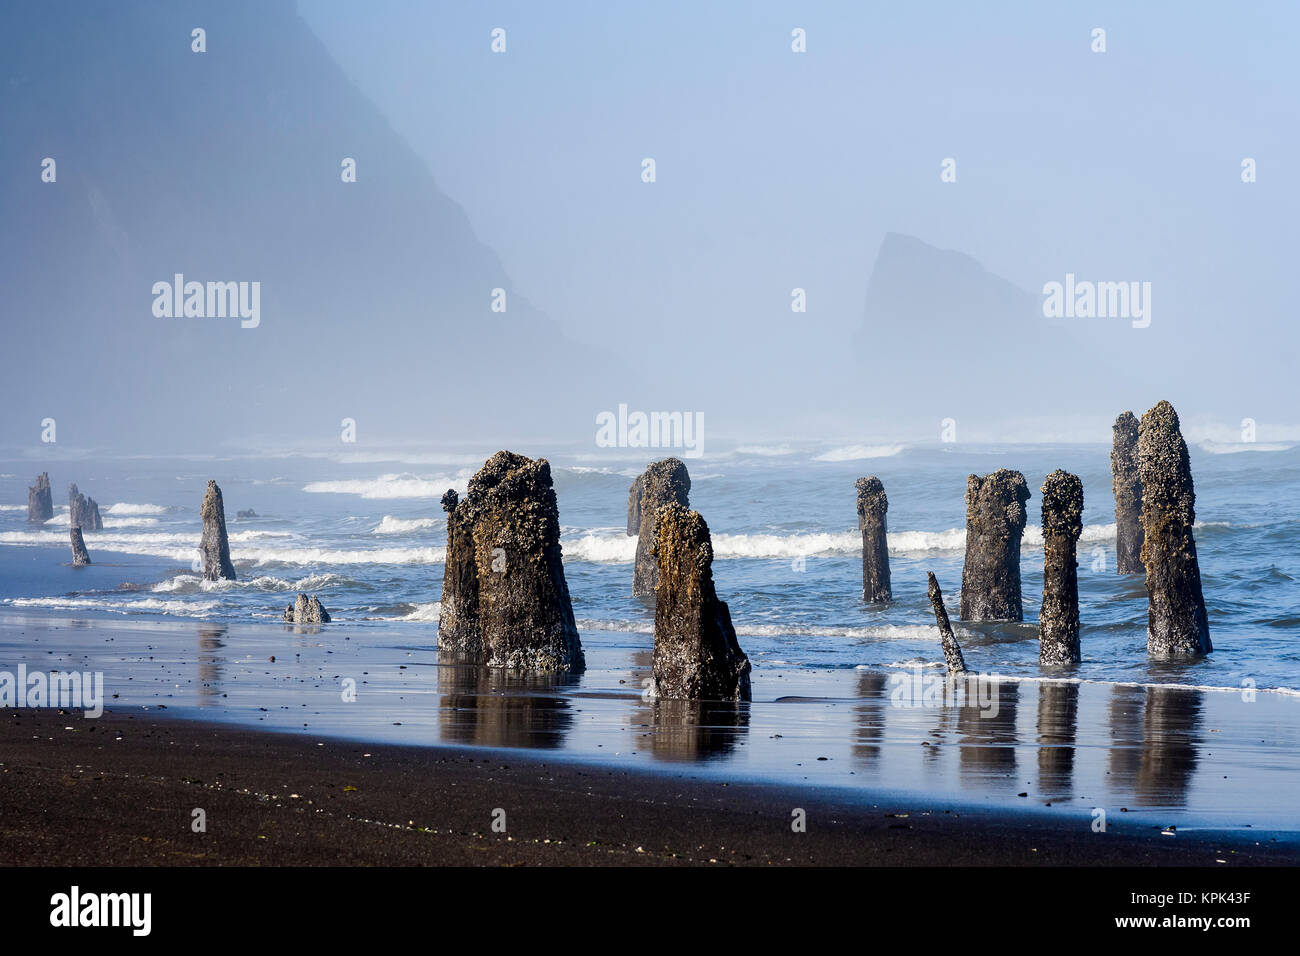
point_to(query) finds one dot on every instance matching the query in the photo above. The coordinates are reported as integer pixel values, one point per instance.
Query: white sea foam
(193, 583)
(616, 547)
(603, 548)
(391, 486)
(766, 451)
(248, 547)
(340, 556)
(391, 525)
(140, 605)
(64, 520)
(13, 507)
(429, 612)
(124, 508)
(1236, 447)
(859, 452)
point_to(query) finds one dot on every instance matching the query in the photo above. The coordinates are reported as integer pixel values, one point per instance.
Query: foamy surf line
(140, 606)
(620, 549)
(184, 547)
(602, 546)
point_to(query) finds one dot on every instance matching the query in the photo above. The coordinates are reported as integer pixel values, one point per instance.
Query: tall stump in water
(1176, 620)
(1127, 487)
(663, 482)
(80, 556)
(511, 608)
(995, 520)
(1058, 619)
(214, 548)
(40, 500)
(696, 655)
(872, 522)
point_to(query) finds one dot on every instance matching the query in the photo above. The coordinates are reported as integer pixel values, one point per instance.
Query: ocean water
(365, 532)
(846, 695)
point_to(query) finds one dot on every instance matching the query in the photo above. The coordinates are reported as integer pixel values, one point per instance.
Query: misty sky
(775, 170)
(778, 170)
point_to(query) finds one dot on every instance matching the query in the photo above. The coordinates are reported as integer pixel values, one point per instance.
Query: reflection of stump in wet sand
(989, 741)
(1170, 725)
(1058, 717)
(688, 730)
(209, 661)
(495, 707)
(869, 728)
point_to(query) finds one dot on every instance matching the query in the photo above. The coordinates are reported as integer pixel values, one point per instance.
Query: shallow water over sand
(1161, 755)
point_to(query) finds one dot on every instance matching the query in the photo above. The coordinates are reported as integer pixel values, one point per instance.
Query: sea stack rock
(951, 649)
(663, 482)
(246, 513)
(215, 546)
(872, 505)
(306, 610)
(80, 556)
(1176, 620)
(515, 591)
(1128, 495)
(40, 500)
(458, 627)
(83, 512)
(696, 655)
(995, 520)
(1058, 619)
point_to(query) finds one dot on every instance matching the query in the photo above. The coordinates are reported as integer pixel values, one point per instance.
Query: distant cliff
(226, 166)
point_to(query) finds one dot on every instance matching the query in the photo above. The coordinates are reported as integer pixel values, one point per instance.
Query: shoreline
(122, 789)
(1146, 756)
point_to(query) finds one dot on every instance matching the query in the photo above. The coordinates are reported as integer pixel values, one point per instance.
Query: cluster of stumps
(505, 601)
(83, 512)
(1155, 509)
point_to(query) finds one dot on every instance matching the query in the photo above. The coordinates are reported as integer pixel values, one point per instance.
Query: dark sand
(73, 793)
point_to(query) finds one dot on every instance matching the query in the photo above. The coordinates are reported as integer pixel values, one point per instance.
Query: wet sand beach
(122, 790)
(245, 716)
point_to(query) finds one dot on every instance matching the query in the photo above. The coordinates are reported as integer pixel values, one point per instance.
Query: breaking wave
(391, 525)
(390, 486)
(859, 452)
